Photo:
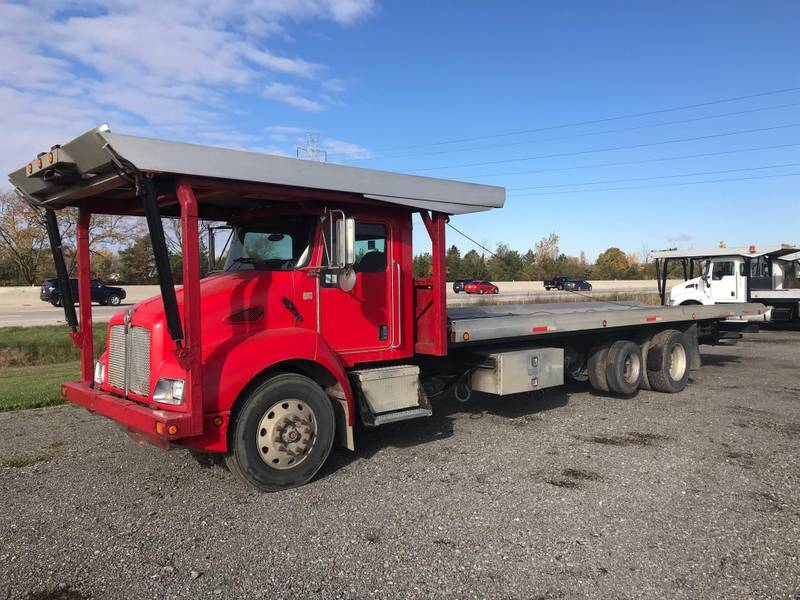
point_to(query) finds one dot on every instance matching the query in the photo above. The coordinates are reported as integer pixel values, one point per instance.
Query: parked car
(555, 283)
(481, 286)
(101, 293)
(458, 284)
(575, 285)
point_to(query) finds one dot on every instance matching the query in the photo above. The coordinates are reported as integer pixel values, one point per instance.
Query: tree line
(119, 247)
(543, 261)
(121, 252)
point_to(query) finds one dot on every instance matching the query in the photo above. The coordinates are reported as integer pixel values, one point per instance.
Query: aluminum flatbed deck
(473, 324)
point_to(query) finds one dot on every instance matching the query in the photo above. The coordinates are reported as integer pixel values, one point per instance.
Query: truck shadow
(719, 360)
(441, 425)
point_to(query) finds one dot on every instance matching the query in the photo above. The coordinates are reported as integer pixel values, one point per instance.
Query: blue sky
(385, 83)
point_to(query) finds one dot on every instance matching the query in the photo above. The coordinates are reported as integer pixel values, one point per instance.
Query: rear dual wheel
(283, 433)
(616, 366)
(668, 361)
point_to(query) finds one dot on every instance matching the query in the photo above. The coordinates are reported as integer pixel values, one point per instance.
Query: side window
(743, 269)
(370, 248)
(722, 269)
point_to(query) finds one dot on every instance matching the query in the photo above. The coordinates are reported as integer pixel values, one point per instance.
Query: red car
(481, 286)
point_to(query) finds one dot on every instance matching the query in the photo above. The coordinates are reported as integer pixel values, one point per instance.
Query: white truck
(766, 274)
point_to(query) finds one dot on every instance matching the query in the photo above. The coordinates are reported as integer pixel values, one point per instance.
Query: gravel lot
(560, 495)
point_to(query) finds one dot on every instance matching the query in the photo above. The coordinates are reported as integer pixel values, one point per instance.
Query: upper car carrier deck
(487, 324)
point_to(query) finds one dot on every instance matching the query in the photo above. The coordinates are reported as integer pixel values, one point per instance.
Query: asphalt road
(45, 314)
(21, 307)
(564, 494)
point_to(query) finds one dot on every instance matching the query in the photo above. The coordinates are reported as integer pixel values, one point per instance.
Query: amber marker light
(30, 168)
(466, 336)
(217, 421)
(38, 163)
(50, 157)
(172, 429)
(159, 428)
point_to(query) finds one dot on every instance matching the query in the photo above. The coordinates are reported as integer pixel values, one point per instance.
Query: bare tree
(547, 248)
(25, 246)
(24, 238)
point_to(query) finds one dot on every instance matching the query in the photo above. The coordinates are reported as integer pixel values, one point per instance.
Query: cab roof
(751, 251)
(89, 167)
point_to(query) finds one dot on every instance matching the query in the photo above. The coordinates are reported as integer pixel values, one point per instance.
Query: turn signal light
(172, 429)
(159, 428)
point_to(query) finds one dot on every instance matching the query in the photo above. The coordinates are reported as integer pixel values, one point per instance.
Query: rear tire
(283, 433)
(597, 365)
(668, 362)
(624, 367)
(113, 300)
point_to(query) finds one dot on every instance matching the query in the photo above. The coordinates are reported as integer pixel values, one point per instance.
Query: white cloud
(284, 92)
(344, 150)
(154, 66)
(680, 237)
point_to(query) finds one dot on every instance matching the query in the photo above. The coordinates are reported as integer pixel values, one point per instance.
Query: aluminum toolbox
(505, 373)
(390, 388)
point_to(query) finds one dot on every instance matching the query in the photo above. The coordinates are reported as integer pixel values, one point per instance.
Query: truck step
(390, 394)
(402, 415)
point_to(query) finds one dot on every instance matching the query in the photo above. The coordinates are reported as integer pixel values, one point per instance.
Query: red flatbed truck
(316, 319)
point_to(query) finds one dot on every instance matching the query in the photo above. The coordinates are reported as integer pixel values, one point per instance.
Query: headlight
(169, 391)
(99, 373)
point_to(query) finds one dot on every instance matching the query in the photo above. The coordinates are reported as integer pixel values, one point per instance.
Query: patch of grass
(17, 461)
(563, 483)
(47, 345)
(580, 474)
(36, 386)
(631, 438)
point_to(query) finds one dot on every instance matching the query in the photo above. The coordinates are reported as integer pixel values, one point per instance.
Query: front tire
(283, 433)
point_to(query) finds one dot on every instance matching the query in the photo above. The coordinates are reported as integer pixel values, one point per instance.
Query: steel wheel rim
(677, 362)
(286, 434)
(632, 368)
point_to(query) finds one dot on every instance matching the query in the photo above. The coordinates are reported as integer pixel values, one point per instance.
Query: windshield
(279, 244)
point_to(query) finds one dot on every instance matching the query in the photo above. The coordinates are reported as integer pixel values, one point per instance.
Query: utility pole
(312, 151)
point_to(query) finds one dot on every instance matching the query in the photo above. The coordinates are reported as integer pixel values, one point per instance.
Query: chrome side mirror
(345, 250)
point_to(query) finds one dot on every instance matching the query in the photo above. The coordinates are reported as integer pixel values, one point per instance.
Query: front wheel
(283, 433)
(113, 300)
(496, 291)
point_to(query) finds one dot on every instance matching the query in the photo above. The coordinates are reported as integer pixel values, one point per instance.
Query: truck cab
(767, 274)
(722, 279)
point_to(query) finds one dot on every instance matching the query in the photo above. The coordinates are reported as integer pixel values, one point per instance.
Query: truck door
(724, 280)
(363, 319)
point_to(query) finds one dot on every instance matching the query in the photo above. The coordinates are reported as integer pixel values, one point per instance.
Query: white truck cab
(767, 274)
(722, 279)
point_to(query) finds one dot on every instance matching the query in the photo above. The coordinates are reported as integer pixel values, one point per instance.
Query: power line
(451, 226)
(696, 174)
(580, 135)
(634, 162)
(660, 185)
(594, 121)
(609, 149)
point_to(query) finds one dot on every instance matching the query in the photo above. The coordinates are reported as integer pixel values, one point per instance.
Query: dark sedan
(101, 293)
(577, 285)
